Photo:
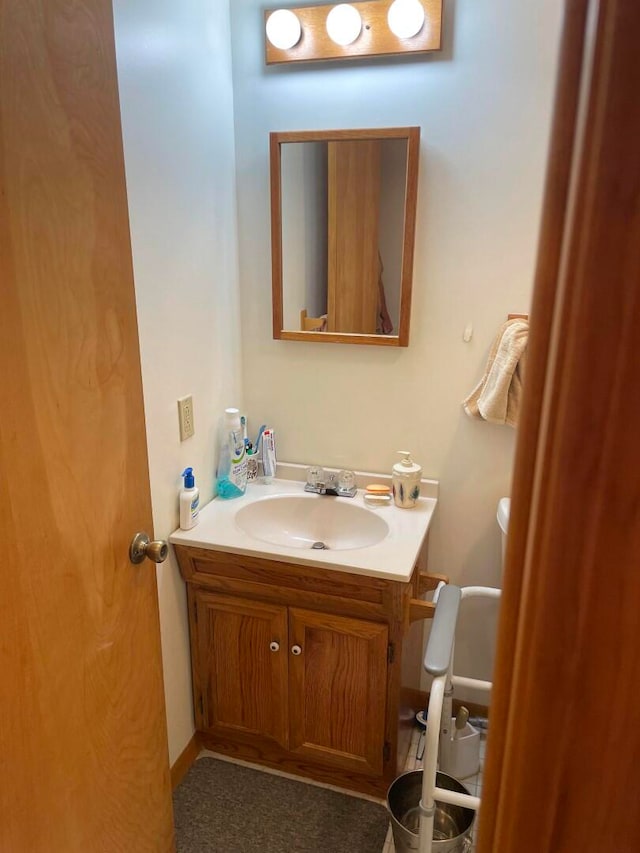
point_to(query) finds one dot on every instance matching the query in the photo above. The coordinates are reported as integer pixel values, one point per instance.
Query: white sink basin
(305, 521)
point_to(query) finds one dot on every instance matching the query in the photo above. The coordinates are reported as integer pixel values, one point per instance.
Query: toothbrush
(259, 438)
(243, 424)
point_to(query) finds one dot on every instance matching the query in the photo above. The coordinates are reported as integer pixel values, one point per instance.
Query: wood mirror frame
(277, 139)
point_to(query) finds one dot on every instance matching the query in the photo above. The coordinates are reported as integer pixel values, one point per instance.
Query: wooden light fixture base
(375, 39)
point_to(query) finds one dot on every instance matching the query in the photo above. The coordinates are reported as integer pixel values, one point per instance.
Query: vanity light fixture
(355, 30)
(283, 29)
(344, 24)
(406, 18)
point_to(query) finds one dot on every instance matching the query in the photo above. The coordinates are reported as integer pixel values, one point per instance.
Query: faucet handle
(346, 481)
(315, 475)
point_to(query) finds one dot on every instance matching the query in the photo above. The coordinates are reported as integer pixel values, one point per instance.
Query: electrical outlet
(185, 416)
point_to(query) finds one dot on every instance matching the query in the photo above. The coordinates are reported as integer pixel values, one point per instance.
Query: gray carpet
(225, 808)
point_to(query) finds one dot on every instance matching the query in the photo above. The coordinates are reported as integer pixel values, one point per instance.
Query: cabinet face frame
(276, 140)
(268, 695)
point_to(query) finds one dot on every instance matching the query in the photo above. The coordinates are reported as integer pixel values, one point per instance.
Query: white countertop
(393, 558)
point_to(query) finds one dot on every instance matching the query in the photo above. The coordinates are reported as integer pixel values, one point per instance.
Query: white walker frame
(438, 662)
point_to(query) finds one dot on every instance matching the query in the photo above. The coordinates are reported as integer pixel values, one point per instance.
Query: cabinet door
(337, 690)
(242, 666)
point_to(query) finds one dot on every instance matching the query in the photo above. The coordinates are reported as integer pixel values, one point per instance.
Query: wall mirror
(343, 209)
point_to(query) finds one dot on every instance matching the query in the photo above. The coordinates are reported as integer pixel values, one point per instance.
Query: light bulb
(283, 29)
(406, 18)
(344, 24)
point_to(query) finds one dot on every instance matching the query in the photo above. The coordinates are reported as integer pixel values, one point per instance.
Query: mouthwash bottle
(231, 476)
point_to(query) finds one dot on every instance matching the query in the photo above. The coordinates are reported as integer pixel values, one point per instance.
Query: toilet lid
(504, 505)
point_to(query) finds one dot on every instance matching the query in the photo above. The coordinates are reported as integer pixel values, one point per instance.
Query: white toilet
(504, 505)
(459, 752)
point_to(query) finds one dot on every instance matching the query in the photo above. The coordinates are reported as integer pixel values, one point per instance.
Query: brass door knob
(141, 547)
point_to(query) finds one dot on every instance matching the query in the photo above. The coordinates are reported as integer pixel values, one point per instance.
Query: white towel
(498, 395)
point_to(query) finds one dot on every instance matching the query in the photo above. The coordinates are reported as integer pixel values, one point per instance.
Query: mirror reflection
(345, 234)
(342, 230)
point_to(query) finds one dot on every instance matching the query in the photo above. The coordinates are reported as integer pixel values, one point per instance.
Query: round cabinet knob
(275, 647)
(296, 650)
(141, 547)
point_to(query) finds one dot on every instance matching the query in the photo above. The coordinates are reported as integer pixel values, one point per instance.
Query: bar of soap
(378, 489)
(375, 499)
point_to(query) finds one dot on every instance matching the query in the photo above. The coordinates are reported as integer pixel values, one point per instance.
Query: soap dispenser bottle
(189, 501)
(405, 480)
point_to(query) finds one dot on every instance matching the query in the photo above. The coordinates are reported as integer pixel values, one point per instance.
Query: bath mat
(226, 808)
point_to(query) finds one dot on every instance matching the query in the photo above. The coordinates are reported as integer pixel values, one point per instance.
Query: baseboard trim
(184, 761)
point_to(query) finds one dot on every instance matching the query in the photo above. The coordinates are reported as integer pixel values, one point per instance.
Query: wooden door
(241, 671)
(353, 266)
(338, 689)
(564, 741)
(83, 744)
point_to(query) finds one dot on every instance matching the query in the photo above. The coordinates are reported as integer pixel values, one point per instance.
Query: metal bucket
(451, 824)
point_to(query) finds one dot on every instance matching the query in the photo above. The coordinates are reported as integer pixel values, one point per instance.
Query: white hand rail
(440, 646)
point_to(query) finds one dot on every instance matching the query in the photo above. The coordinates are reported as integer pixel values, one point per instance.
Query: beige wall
(175, 90)
(484, 108)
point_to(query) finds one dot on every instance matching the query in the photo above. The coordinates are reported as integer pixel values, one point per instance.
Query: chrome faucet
(342, 485)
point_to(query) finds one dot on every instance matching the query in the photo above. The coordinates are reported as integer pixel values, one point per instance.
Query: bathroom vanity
(307, 661)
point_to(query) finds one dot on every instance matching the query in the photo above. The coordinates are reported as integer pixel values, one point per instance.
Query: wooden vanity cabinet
(298, 668)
